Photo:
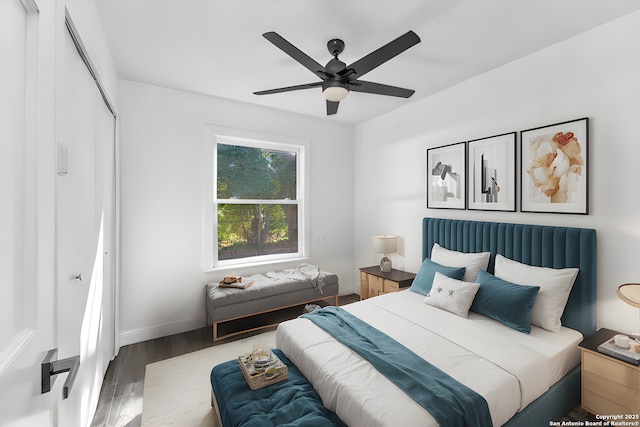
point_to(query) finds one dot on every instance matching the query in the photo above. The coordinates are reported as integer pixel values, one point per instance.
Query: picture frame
(491, 163)
(554, 168)
(446, 176)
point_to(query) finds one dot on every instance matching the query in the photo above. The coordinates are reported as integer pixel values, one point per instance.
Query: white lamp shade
(630, 293)
(384, 244)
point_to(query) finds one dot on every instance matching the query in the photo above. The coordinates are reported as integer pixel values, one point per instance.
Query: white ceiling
(215, 47)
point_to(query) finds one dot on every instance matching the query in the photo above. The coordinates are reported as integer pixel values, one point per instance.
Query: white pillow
(473, 261)
(452, 295)
(555, 286)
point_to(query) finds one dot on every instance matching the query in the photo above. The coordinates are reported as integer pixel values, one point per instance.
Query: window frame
(215, 135)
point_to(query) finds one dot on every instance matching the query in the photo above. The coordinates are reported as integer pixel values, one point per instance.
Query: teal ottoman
(292, 402)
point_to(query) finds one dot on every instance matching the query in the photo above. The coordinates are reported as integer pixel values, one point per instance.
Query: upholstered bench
(293, 402)
(269, 292)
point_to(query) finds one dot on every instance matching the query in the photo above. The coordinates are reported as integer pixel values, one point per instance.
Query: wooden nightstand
(375, 282)
(609, 386)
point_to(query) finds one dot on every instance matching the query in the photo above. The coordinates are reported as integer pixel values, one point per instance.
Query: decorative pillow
(472, 261)
(454, 296)
(555, 286)
(505, 302)
(424, 279)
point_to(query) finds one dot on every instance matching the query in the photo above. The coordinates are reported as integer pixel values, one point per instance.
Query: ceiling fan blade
(301, 57)
(382, 55)
(332, 107)
(288, 88)
(380, 89)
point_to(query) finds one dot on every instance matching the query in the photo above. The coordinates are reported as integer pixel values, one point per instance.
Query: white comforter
(508, 368)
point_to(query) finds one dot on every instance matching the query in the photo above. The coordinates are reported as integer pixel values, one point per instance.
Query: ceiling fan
(338, 79)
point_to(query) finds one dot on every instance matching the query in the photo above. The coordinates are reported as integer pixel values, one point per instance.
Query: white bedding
(508, 368)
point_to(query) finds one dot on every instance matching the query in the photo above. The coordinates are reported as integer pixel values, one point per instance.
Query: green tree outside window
(257, 209)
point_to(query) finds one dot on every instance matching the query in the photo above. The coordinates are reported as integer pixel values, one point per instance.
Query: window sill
(254, 264)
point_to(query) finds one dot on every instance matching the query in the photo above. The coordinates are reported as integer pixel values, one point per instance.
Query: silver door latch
(52, 367)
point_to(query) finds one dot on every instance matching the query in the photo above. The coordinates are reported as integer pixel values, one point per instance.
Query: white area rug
(177, 391)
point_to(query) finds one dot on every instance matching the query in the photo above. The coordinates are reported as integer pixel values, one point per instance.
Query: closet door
(85, 203)
(106, 185)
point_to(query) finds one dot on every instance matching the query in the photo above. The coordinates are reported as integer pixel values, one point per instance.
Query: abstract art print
(554, 168)
(492, 173)
(446, 179)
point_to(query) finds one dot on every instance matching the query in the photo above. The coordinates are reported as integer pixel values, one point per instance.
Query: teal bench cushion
(292, 402)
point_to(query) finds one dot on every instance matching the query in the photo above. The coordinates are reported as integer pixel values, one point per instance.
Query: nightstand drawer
(612, 370)
(597, 404)
(390, 286)
(376, 285)
(611, 390)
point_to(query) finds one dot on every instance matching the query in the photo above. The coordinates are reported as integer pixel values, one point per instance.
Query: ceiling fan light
(335, 93)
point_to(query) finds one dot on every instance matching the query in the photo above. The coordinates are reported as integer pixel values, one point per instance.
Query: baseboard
(133, 336)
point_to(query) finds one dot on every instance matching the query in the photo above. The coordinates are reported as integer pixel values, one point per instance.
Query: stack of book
(629, 355)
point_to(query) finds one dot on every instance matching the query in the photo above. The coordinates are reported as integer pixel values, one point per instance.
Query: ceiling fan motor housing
(335, 46)
(335, 66)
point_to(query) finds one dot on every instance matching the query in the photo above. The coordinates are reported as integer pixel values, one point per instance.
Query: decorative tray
(629, 355)
(262, 374)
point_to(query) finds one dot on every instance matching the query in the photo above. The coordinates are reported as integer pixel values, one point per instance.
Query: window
(257, 204)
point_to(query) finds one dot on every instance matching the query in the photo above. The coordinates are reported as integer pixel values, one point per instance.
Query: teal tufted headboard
(539, 245)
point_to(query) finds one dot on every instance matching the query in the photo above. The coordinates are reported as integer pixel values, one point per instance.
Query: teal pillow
(504, 301)
(424, 279)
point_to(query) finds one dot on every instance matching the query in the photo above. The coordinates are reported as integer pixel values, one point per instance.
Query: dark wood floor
(120, 402)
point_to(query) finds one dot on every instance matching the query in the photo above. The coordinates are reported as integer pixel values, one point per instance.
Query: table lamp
(630, 293)
(384, 244)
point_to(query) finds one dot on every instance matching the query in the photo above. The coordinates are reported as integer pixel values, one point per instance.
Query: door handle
(51, 367)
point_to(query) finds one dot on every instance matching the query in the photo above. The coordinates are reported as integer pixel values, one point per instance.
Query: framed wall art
(446, 176)
(492, 173)
(554, 168)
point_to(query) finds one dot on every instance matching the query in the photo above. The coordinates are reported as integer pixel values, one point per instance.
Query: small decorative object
(446, 179)
(384, 244)
(234, 282)
(630, 293)
(622, 341)
(262, 367)
(261, 355)
(554, 167)
(309, 308)
(492, 173)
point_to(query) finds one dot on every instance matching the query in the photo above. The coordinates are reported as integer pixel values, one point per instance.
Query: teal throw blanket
(448, 401)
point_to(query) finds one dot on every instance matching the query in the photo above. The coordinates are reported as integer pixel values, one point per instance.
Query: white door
(106, 164)
(26, 224)
(84, 235)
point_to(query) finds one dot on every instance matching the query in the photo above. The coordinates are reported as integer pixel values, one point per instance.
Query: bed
(526, 379)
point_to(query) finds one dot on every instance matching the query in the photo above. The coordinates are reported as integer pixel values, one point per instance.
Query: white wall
(592, 75)
(161, 134)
